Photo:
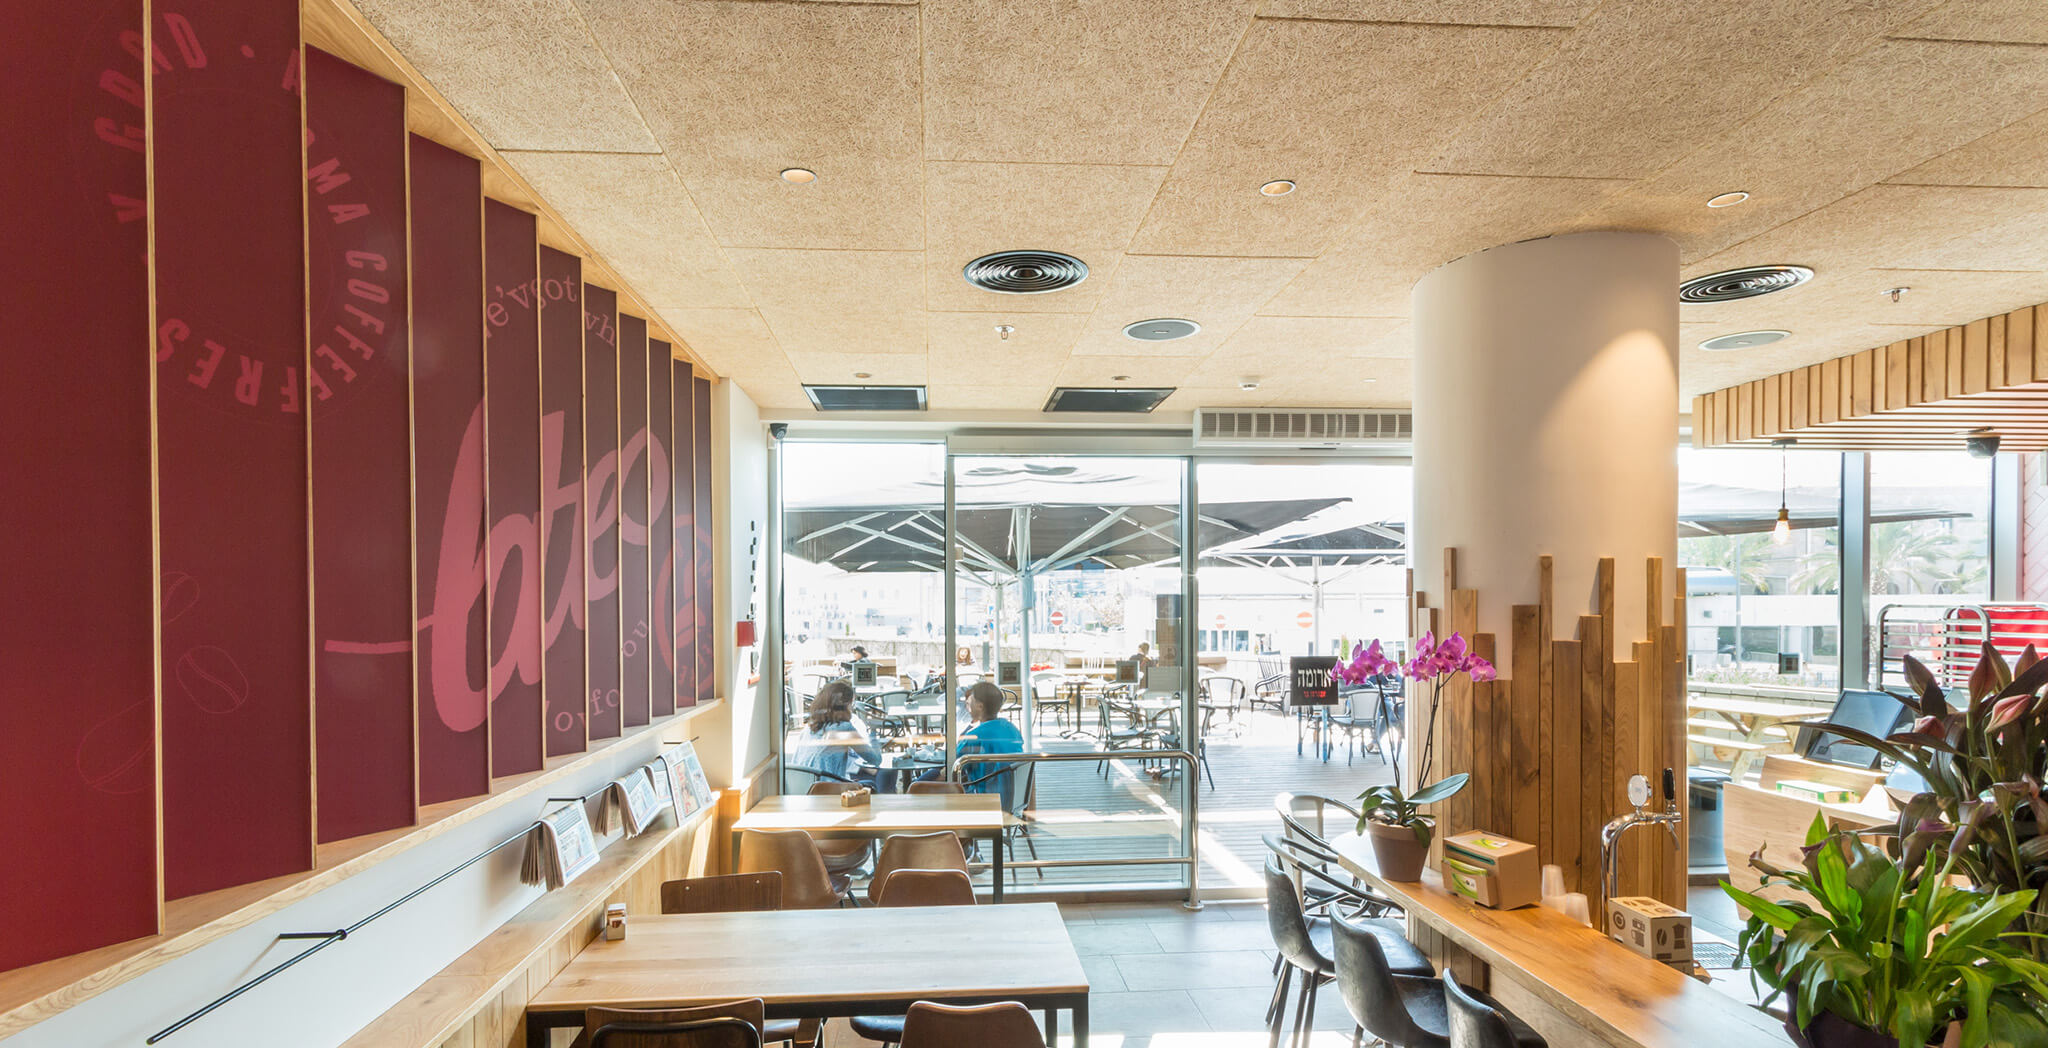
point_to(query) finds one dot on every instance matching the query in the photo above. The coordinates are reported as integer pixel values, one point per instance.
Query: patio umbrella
(1723, 509)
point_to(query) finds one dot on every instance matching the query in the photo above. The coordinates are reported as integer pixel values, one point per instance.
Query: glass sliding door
(1068, 603)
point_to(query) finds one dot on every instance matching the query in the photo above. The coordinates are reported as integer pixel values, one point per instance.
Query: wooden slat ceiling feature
(1986, 377)
(1884, 143)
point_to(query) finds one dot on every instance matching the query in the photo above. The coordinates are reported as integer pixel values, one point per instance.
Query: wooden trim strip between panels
(1923, 392)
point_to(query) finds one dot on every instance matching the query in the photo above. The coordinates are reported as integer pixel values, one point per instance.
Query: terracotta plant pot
(1400, 855)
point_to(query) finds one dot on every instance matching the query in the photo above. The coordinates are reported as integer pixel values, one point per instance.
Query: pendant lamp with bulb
(1781, 534)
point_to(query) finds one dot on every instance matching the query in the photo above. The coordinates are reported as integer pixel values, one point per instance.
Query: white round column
(1546, 421)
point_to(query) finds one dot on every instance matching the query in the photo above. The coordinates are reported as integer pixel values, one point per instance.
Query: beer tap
(1639, 796)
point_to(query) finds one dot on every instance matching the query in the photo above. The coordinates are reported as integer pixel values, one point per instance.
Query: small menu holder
(856, 798)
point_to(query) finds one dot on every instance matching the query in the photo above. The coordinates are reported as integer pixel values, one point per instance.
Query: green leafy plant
(1894, 946)
(1389, 807)
(1984, 764)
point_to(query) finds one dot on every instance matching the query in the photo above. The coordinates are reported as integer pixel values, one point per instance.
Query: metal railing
(1190, 856)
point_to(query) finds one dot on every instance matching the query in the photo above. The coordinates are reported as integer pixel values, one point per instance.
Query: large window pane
(1930, 551)
(1762, 608)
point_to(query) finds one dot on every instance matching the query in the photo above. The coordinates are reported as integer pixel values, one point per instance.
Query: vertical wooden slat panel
(682, 514)
(1861, 376)
(1995, 354)
(1974, 367)
(228, 221)
(705, 512)
(1619, 753)
(1522, 800)
(1799, 396)
(1546, 666)
(1953, 384)
(1896, 391)
(360, 452)
(1457, 712)
(1830, 390)
(1561, 770)
(1745, 411)
(78, 740)
(1916, 371)
(1934, 377)
(1595, 724)
(1815, 394)
(1768, 412)
(2022, 338)
(1879, 378)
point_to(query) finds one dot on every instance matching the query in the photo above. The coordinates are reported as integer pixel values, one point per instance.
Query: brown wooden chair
(937, 850)
(935, 786)
(729, 893)
(728, 1024)
(925, 888)
(806, 884)
(1005, 1024)
(739, 893)
(841, 856)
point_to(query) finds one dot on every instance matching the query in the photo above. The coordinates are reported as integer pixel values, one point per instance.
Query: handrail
(329, 938)
(1189, 839)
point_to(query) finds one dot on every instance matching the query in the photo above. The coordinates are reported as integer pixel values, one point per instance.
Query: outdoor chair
(1018, 784)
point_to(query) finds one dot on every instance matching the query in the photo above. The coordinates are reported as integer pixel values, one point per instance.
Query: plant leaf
(1440, 789)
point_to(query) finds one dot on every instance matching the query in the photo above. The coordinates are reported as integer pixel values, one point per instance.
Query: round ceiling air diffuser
(1164, 329)
(1744, 340)
(1747, 282)
(1025, 272)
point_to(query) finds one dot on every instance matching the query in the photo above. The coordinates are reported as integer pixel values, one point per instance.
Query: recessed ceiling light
(863, 374)
(1895, 293)
(1161, 329)
(1247, 384)
(1743, 340)
(1728, 199)
(799, 176)
(1119, 378)
(1277, 187)
(1004, 331)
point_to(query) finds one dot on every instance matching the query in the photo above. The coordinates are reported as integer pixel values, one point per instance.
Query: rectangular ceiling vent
(1125, 399)
(866, 398)
(1302, 427)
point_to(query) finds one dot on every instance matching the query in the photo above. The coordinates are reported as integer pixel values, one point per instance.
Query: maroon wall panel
(682, 636)
(700, 401)
(601, 505)
(561, 527)
(661, 536)
(635, 587)
(512, 484)
(448, 466)
(361, 449)
(77, 681)
(231, 445)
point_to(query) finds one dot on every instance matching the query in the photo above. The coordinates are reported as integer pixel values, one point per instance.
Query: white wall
(739, 483)
(324, 1000)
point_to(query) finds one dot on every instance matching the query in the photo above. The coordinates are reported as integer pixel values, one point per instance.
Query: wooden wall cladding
(512, 484)
(700, 411)
(229, 233)
(563, 683)
(682, 634)
(1929, 392)
(661, 536)
(635, 587)
(452, 653)
(1552, 742)
(78, 718)
(601, 506)
(359, 409)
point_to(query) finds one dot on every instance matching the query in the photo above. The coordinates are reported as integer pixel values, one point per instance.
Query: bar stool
(1477, 1023)
(1408, 1011)
(1306, 946)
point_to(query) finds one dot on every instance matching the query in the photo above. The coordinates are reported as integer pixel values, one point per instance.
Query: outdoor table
(948, 954)
(1752, 720)
(978, 815)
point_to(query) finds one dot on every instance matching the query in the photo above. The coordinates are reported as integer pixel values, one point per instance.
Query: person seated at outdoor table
(1144, 657)
(835, 742)
(860, 654)
(990, 733)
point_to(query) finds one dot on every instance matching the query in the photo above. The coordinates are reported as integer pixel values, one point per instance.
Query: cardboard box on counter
(1500, 867)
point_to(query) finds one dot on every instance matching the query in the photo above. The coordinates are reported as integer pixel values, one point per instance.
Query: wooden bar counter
(1558, 974)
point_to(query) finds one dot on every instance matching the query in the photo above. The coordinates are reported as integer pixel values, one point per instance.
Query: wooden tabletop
(1620, 997)
(1754, 707)
(821, 956)
(822, 816)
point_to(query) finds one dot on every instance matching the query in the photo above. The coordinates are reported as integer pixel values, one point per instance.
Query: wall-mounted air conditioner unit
(1302, 427)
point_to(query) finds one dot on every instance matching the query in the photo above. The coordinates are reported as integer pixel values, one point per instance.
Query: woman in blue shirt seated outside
(989, 734)
(835, 741)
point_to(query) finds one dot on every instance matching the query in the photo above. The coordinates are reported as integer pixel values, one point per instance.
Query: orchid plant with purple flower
(1433, 664)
